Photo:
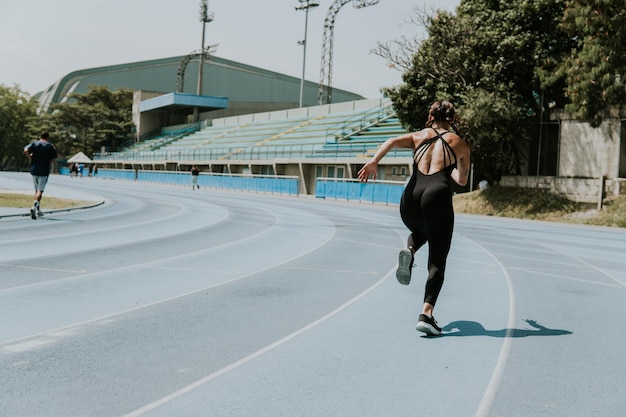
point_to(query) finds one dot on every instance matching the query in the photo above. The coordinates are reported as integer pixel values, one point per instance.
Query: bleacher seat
(352, 133)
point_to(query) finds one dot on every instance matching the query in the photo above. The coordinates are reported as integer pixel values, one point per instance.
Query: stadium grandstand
(250, 123)
(328, 141)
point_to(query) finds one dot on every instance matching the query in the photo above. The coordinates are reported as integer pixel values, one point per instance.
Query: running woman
(439, 157)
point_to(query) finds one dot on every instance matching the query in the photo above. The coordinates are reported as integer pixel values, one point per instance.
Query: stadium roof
(247, 88)
(183, 103)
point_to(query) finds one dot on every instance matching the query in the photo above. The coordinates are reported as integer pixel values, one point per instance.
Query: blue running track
(167, 302)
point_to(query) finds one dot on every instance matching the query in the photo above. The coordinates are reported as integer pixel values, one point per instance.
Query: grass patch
(25, 201)
(613, 214)
(534, 204)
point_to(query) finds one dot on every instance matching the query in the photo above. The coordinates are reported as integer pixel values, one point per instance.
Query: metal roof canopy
(80, 158)
(183, 103)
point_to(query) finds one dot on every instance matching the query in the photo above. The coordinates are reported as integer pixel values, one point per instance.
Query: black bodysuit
(426, 209)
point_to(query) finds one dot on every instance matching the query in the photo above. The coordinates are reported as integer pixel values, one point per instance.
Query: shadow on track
(472, 328)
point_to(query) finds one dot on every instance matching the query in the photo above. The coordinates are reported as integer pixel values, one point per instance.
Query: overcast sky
(43, 40)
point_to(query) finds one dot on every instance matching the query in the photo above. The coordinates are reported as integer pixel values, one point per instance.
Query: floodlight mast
(180, 74)
(326, 72)
(304, 5)
(205, 17)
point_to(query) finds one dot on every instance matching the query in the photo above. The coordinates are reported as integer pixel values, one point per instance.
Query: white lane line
(620, 283)
(567, 277)
(360, 242)
(39, 268)
(183, 391)
(203, 270)
(341, 271)
(490, 392)
(466, 261)
(152, 263)
(235, 272)
(147, 264)
(7, 345)
(522, 246)
(527, 258)
(179, 212)
(561, 252)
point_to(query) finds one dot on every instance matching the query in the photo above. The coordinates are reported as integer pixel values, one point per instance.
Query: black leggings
(426, 209)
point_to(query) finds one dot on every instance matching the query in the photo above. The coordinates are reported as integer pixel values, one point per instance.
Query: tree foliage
(593, 72)
(87, 122)
(485, 59)
(17, 110)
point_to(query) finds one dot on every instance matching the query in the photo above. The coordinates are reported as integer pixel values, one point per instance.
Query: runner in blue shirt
(41, 154)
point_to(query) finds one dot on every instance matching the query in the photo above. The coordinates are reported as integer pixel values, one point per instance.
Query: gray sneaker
(428, 325)
(405, 265)
(37, 208)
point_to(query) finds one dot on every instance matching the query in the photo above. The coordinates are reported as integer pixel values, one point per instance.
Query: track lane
(569, 300)
(327, 331)
(313, 232)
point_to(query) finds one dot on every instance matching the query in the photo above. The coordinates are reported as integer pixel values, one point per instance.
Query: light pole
(305, 5)
(205, 17)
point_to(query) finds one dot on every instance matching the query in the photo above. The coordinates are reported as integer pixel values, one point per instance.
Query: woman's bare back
(432, 155)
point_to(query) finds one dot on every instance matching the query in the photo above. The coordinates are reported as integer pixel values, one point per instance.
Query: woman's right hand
(371, 168)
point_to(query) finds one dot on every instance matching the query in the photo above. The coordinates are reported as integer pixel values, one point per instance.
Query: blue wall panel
(374, 191)
(265, 184)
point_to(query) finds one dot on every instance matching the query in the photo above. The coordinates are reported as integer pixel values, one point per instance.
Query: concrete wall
(588, 161)
(144, 123)
(583, 190)
(589, 152)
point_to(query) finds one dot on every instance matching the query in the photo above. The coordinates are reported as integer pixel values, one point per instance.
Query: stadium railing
(266, 152)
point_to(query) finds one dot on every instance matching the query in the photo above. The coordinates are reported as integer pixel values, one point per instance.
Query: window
(332, 171)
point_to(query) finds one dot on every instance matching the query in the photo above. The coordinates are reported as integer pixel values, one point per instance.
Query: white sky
(43, 40)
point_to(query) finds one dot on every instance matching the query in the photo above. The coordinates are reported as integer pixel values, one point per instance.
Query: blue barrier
(117, 174)
(252, 183)
(388, 192)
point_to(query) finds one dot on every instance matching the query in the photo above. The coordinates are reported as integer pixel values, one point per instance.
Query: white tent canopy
(80, 158)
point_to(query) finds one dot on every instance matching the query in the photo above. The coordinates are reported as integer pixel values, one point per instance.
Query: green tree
(593, 72)
(17, 110)
(87, 122)
(484, 58)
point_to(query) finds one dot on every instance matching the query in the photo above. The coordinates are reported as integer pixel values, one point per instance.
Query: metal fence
(266, 152)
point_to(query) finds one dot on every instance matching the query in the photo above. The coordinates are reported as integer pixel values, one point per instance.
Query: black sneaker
(405, 265)
(428, 325)
(33, 213)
